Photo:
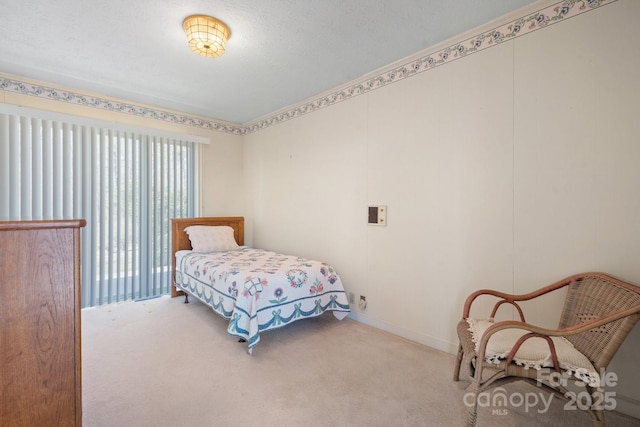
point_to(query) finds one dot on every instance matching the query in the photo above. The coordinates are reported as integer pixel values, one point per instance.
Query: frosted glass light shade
(207, 36)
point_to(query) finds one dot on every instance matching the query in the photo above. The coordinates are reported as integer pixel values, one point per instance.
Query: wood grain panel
(40, 333)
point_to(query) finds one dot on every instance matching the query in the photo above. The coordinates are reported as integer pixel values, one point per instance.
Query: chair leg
(472, 410)
(597, 415)
(456, 369)
(472, 417)
(476, 386)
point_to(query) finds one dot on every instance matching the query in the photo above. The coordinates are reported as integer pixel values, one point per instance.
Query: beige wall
(511, 168)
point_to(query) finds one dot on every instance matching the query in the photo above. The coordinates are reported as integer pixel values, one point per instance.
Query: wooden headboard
(180, 239)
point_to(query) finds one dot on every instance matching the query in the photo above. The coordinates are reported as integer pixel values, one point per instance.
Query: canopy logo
(500, 400)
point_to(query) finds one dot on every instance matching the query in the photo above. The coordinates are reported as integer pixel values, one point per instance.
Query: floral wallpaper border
(550, 15)
(54, 94)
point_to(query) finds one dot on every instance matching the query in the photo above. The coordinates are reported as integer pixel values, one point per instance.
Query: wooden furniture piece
(599, 312)
(40, 362)
(180, 239)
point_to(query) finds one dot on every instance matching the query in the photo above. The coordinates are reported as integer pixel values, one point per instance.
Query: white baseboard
(628, 406)
(427, 340)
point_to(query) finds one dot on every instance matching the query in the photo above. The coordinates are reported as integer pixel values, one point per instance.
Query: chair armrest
(546, 332)
(513, 298)
(505, 298)
(533, 331)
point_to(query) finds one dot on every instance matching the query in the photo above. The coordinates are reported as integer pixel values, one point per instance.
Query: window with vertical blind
(127, 184)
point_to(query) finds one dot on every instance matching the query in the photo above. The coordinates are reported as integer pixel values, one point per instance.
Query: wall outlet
(377, 215)
(363, 302)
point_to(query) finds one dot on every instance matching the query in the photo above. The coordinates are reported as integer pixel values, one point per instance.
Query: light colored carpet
(164, 363)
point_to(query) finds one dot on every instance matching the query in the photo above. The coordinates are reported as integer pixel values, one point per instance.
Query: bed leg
(186, 298)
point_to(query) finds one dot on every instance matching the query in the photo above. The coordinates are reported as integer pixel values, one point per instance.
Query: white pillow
(206, 238)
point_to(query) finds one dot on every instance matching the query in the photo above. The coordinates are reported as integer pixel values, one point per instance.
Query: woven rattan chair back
(592, 297)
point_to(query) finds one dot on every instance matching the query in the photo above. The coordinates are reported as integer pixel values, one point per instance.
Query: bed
(255, 289)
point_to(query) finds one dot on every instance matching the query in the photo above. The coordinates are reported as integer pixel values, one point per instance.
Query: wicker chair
(599, 312)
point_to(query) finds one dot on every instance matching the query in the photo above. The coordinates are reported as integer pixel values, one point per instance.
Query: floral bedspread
(258, 290)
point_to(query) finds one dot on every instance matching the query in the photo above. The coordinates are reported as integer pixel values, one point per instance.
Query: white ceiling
(281, 52)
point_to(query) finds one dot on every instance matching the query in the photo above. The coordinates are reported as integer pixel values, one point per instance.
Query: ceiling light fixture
(207, 36)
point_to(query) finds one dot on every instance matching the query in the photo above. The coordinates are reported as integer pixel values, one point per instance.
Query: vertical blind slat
(5, 167)
(95, 215)
(25, 166)
(102, 212)
(119, 216)
(67, 171)
(135, 210)
(161, 219)
(57, 171)
(47, 169)
(77, 187)
(152, 217)
(14, 154)
(145, 209)
(109, 173)
(38, 176)
(88, 254)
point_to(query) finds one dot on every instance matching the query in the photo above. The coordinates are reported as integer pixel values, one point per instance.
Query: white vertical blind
(5, 163)
(126, 184)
